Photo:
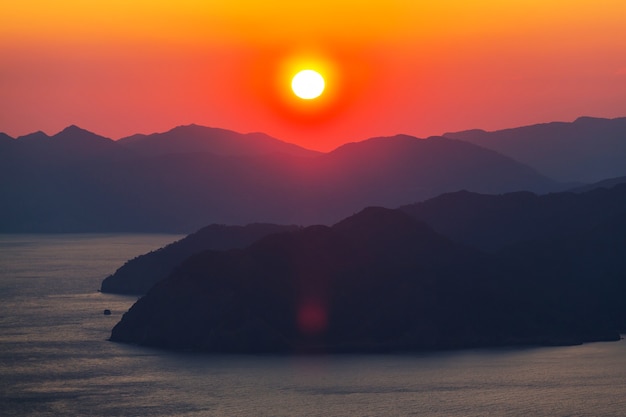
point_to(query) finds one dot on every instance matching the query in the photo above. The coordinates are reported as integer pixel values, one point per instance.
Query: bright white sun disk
(308, 84)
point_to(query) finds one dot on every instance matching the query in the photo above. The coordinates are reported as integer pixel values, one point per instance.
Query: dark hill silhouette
(37, 136)
(607, 183)
(194, 138)
(99, 185)
(403, 165)
(579, 276)
(377, 281)
(490, 222)
(138, 275)
(82, 141)
(315, 289)
(487, 222)
(586, 150)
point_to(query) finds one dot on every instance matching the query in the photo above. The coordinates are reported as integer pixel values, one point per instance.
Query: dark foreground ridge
(138, 275)
(383, 281)
(492, 222)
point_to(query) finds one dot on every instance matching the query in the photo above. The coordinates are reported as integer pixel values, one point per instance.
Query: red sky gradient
(394, 66)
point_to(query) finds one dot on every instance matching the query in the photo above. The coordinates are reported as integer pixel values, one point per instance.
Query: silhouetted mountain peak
(74, 133)
(196, 138)
(586, 150)
(378, 230)
(587, 119)
(37, 136)
(73, 130)
(195, 129)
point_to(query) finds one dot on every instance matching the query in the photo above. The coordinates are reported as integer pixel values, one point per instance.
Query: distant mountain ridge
(70, 144)
(586, 150)
(181, 139)
(607, 183)
(195, 138)
(184, 179)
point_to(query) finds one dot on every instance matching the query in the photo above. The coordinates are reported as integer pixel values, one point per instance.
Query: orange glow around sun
(346, 77)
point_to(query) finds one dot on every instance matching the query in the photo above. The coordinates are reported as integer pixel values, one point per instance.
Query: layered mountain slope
(490, 222)
(486, 222)
(606, 183)
(586, 150)
(79, 182)
(139, 274)
(386, 171)
(194, 138)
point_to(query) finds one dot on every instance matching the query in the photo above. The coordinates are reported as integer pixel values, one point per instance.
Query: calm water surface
(55, 359)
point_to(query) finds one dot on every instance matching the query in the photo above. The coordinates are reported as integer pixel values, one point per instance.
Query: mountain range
(182, 180)
(483, 249)
(192, 176)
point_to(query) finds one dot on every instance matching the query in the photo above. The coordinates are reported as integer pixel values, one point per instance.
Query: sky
(419, 67)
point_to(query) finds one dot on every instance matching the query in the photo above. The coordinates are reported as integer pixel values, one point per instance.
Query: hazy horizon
(294, 142)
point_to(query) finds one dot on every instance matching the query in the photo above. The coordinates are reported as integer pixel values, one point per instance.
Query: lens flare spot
(312, 318)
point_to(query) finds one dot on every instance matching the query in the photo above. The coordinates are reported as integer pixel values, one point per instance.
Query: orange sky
(419, 67)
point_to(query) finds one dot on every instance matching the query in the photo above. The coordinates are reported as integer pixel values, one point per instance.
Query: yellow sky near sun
(431, 27)
(275, 20)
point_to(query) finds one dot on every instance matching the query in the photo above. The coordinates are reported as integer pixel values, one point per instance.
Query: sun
(308, 84)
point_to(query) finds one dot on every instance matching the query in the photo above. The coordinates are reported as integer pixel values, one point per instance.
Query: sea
(55, 359)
